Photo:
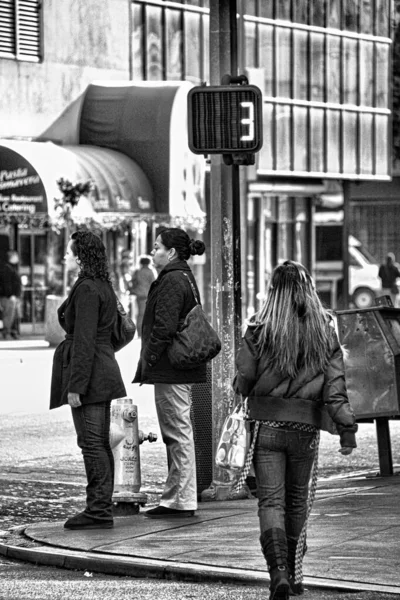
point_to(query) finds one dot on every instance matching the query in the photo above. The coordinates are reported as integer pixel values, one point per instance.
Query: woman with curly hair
(290, 366)
(86, 375)
(171, 297)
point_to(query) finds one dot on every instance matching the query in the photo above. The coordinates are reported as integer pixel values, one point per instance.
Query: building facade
(323, 67)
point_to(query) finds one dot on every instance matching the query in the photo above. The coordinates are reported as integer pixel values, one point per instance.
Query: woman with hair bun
(169, 300)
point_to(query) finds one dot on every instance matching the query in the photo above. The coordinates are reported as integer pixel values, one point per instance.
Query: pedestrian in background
(169, 301)
(86, 374)
(142, 278)
(389, 272)
(10, 292)
(290, 365)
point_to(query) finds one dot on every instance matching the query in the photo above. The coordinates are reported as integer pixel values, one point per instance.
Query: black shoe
(296, 589)
(163, 512)
(279, 588)
(14, 335)
(82, 521)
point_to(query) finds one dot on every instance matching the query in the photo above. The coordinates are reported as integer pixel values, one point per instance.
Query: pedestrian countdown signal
(225, 119)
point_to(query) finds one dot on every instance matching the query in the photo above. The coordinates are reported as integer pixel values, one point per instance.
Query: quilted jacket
(85, 362)
(318, 399)
(169, 301)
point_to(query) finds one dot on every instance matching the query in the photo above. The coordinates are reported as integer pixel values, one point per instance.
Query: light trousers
(173, 411)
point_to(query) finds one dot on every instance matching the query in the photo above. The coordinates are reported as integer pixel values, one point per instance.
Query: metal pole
(344, 300)
(225, 245)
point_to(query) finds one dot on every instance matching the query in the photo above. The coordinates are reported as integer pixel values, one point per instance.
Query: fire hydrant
(125, 438)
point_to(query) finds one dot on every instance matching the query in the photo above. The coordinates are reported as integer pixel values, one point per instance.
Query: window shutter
(20, 29)
(7, 27)
(28, 29)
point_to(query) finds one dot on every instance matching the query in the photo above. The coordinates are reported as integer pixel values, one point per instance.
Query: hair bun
(197, 247)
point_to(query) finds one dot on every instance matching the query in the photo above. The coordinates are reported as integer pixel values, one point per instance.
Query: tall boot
(274, 547)
(296, 589)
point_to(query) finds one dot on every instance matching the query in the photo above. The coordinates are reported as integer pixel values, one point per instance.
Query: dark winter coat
(169, 300)
(84, 363)
(10, 281)
(318, 399)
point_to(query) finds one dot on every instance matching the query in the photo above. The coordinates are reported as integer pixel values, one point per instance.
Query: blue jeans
(283, 461)
(92, 426)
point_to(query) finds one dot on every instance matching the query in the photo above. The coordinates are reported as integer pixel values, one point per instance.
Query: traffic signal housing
(225, 119)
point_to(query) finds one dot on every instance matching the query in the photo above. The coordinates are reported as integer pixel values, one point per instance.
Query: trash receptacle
(371, 338)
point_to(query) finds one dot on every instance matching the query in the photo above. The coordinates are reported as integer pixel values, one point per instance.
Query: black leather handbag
(124, 329)
(196, 342)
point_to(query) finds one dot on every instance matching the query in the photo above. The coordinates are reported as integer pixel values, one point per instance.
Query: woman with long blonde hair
(290, 365)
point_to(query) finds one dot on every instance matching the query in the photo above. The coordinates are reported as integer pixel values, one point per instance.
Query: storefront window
(333, 68)
(334, 14)
(366, 142)
(366, 73)
(283, 138)
(381, 143)
(317, 67)
(265, 158)
(300, 141)
(206, 48)
(333, 141)
(266, 57)
(265, 9)
(154, 50)
(250, 44)
(250, 7)
(137, 42)
(317, 140)
(349, 142)
(174, 44)
(382, 17)
(317, 13)
(350, 76)
(381, 69)
(366, 14)
(283, 10)
(192, 47)
(300, 58)
(350, 15)
(300, 11)
(283, 62)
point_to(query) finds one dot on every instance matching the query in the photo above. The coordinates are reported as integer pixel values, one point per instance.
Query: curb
(109, 564)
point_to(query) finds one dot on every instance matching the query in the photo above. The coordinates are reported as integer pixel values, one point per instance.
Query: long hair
(293, 326)
(174, 237)
(91, 252)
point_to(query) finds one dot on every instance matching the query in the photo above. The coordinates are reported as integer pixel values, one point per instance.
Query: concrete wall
(83, 40)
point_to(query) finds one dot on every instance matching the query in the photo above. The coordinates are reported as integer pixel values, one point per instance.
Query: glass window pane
(333, 141)
(366, 125)
(381, 144)
(349, 142)
(366, 73)
(382, 18)
(206, 3)
(250, 7)
(317, 12)
(317, 139)
(366, 14)
(192, 47)
(285, 209)
(206, 48)
(154, 52)
(174, 44)
(265, 156)
(351, 15)
(381, 77)
(350, 71)
(333, 68)
(250, 44)
(300, 134)
(333, 14)
(300, 11)
(283, 10)
(283, 145)
(302, 243)
(300, 59)
(317, 67)
(285, 242)
(283, 60)
(265, 9)
(266, 57)
(137, 41)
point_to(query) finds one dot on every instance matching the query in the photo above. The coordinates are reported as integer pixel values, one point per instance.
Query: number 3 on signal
(248, 121)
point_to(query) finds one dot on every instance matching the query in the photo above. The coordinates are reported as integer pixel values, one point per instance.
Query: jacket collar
(175, 265)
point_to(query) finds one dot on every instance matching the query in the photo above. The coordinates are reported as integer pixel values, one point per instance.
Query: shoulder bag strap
(192, 286)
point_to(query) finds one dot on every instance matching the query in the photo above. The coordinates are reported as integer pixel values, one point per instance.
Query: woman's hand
(74, 400)
(346, 450)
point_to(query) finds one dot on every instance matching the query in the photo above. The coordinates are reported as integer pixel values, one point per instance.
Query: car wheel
(364, 298)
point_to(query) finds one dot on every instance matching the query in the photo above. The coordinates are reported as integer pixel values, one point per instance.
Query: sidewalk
(353, 539)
